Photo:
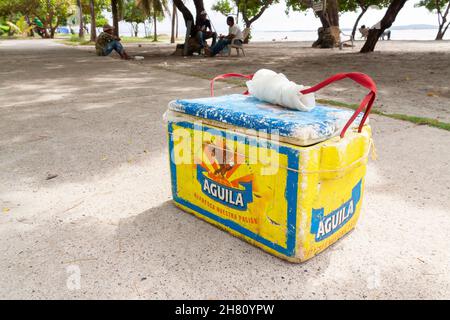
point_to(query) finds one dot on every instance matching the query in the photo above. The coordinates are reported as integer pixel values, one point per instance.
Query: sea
(311, 35)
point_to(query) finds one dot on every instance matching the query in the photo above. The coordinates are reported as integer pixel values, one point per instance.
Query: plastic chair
(239, 46)
(341, 43)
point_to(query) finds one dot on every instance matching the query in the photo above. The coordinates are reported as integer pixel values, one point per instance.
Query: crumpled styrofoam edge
(304, 136)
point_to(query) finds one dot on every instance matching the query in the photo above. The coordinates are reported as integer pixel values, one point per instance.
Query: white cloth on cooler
(275, 88)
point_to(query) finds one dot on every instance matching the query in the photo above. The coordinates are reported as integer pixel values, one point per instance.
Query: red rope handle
(366, 103)
(229, 75)
(358, 77)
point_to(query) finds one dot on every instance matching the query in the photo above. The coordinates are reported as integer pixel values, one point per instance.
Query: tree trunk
(172, 34)
(329, 33)
(248, 21)
(445, 29)
(189, 21)
(93, 23)
(385, 23)
(45, 32)
(176, 22)
(145, 29)
(53, 29)
(442, 30)
(115, 16)
(155, 35)
(81, 31)
(330, 17)
(199, 7)
(364, 9)
(248, 25)
(187, 15)
(30, 33)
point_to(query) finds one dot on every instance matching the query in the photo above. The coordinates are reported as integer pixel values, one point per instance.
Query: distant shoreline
(406, 27)
(420, 33)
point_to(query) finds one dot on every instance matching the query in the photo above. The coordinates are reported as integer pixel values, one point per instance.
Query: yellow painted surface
(291, 201)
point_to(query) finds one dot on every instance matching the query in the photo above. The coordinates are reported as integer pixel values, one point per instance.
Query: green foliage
(99, 7)
(53, 12)
(297, 5)
(224, 7)
(354, 5)
(151, 7)
(13, 7)
(251, 9)
(100, 20)
(344, 5)
(21, 26)
(35, 7)
(133, 13)
(413, 119)
(155, 8)
(75, 38)
(433, 5)
(3, 29)
(442, 8)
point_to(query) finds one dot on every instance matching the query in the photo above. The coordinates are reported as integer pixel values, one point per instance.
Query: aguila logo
(220, 178)
(323, 226)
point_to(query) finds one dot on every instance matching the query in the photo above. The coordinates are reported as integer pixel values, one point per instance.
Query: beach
(85, 195)
(413, 77)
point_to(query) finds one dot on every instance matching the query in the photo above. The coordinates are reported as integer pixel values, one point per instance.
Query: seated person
(364, 31)
(39, 27)
(203, 24)
(107, 42)
(385, 33)
(234, 35)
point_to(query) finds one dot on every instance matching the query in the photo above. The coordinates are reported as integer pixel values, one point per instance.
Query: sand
(413, 77)
(105, 227)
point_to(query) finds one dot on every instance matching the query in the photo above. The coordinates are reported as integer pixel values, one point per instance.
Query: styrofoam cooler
(289, 182)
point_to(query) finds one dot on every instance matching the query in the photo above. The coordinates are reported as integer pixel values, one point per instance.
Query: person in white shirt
(234, 35)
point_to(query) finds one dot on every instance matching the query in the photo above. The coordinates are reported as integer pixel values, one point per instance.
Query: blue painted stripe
(173, 170)
(247, 111)
(291, 197)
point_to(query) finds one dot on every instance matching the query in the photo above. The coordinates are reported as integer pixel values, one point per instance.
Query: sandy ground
(107, 217)
(413, 77)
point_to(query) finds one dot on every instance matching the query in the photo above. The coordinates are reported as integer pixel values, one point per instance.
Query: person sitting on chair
(234, 36)
(203, 25)
(107, 42)
(39, 27)
(364, 31)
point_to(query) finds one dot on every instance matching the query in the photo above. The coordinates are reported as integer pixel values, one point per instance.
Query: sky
(275, 19)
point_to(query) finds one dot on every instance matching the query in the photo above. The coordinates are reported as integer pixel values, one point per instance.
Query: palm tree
(156, 8)
(93, 24)
(80, 12)
(176, 24)
(117, 9)
(174, 15)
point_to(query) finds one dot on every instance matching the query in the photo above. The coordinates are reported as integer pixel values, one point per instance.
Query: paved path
(96, 123)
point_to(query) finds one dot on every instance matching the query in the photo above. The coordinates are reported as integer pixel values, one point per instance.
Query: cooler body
(292, 201)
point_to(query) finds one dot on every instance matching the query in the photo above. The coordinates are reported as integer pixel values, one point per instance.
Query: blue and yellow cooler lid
(244, 111)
